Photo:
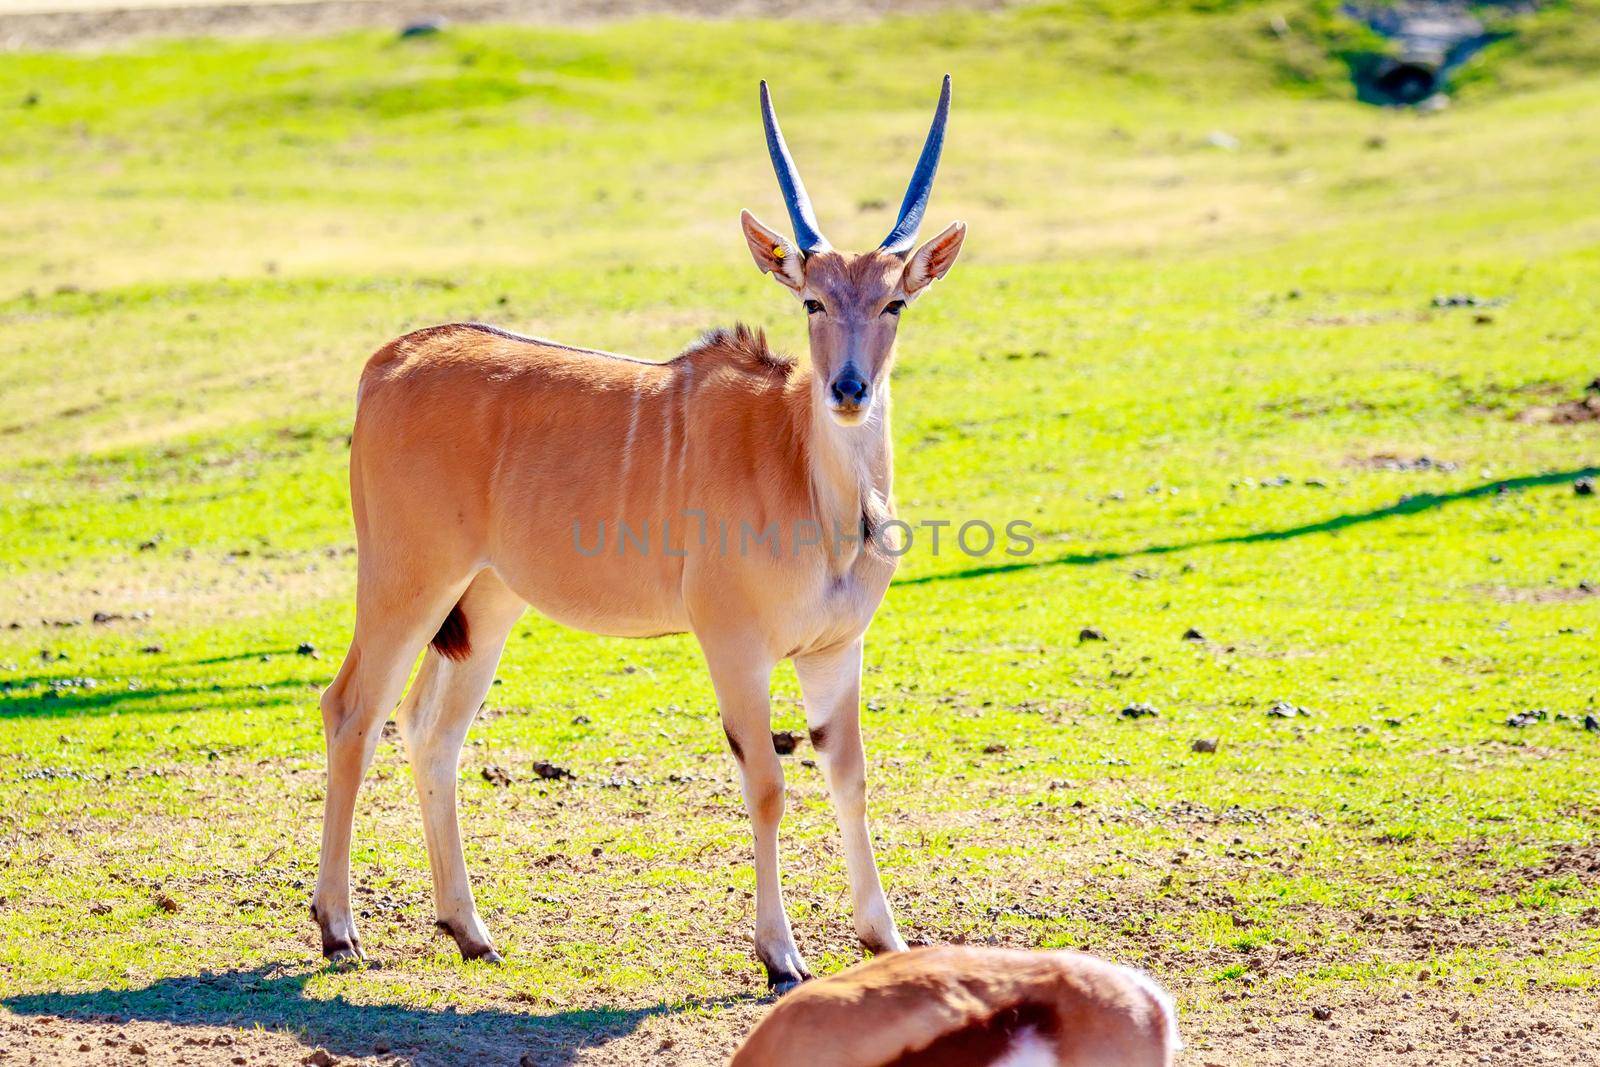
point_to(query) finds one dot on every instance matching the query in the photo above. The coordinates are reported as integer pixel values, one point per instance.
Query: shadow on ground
(1407, 505)
(271, 999)
(60, 696)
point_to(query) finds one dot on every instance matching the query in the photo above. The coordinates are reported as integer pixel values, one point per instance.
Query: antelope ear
(774, 253)
(933, 260)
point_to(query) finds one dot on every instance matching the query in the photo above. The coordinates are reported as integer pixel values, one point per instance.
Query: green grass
(204, 240)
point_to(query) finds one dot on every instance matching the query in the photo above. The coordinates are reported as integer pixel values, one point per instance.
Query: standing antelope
(479, 455)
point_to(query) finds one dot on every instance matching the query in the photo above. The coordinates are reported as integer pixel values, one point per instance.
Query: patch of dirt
(114, 1039)
(1548, 594)
(146, 588)
(1400, 1027)
(87, 27)
(1565, 860)
(1368, 318)
(1392, 461)
(334, 1035)
(1570, 859)
(1086, 888)
(1259, 1019)
(1406, 1027)
(1566, 413)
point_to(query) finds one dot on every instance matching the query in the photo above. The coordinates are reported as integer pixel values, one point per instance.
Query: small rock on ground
(784, 742)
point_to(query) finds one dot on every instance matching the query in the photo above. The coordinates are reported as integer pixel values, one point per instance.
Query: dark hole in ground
(1403, 82)
(1429, 41)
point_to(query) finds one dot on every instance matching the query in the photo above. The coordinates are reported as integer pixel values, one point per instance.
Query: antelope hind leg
(389, 632)
(434, 720)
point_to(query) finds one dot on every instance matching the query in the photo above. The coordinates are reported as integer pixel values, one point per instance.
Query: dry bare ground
(1396, 1032)
(262, 1015)
(61, 24)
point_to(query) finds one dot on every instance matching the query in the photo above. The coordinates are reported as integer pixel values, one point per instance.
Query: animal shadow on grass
(272, 1000)
(63, 694)
(52, 696)
(1408, 505)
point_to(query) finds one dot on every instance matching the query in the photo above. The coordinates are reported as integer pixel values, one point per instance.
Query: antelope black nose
(849, 389)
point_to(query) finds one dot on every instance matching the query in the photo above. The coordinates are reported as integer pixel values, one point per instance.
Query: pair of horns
(804, 219)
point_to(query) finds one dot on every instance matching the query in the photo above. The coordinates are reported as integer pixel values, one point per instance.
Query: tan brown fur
(963, 1006)
(483, 465)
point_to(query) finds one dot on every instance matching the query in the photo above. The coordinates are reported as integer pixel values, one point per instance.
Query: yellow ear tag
(778, 251)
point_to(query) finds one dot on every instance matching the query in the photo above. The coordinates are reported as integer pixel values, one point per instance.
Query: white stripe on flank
(683, 445)
(627, 448)
(667, 417)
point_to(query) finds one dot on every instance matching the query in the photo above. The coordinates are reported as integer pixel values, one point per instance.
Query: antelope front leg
(743, 682)
(831, 683)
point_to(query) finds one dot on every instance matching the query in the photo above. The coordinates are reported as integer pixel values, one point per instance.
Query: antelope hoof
(471, 947)
(785, 980)
(877, 945)
(342, 950)
(344, 957)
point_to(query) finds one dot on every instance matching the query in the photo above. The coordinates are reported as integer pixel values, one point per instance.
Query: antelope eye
(813, 307)
(894, 307)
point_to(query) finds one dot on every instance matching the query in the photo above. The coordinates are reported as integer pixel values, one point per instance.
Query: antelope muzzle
(849, 395)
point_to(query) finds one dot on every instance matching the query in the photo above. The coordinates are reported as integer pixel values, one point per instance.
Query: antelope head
(853, 302)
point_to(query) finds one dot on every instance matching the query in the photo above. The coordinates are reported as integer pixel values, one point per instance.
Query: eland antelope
(961, 1006)
(485, 468)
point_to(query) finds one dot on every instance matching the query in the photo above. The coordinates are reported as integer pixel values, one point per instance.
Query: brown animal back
(984, 1041)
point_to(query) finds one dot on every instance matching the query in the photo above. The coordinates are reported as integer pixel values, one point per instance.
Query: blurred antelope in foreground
(971, 1007)
(478, 457)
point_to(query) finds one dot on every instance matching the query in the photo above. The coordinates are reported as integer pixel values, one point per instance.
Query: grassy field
(1213, 375)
